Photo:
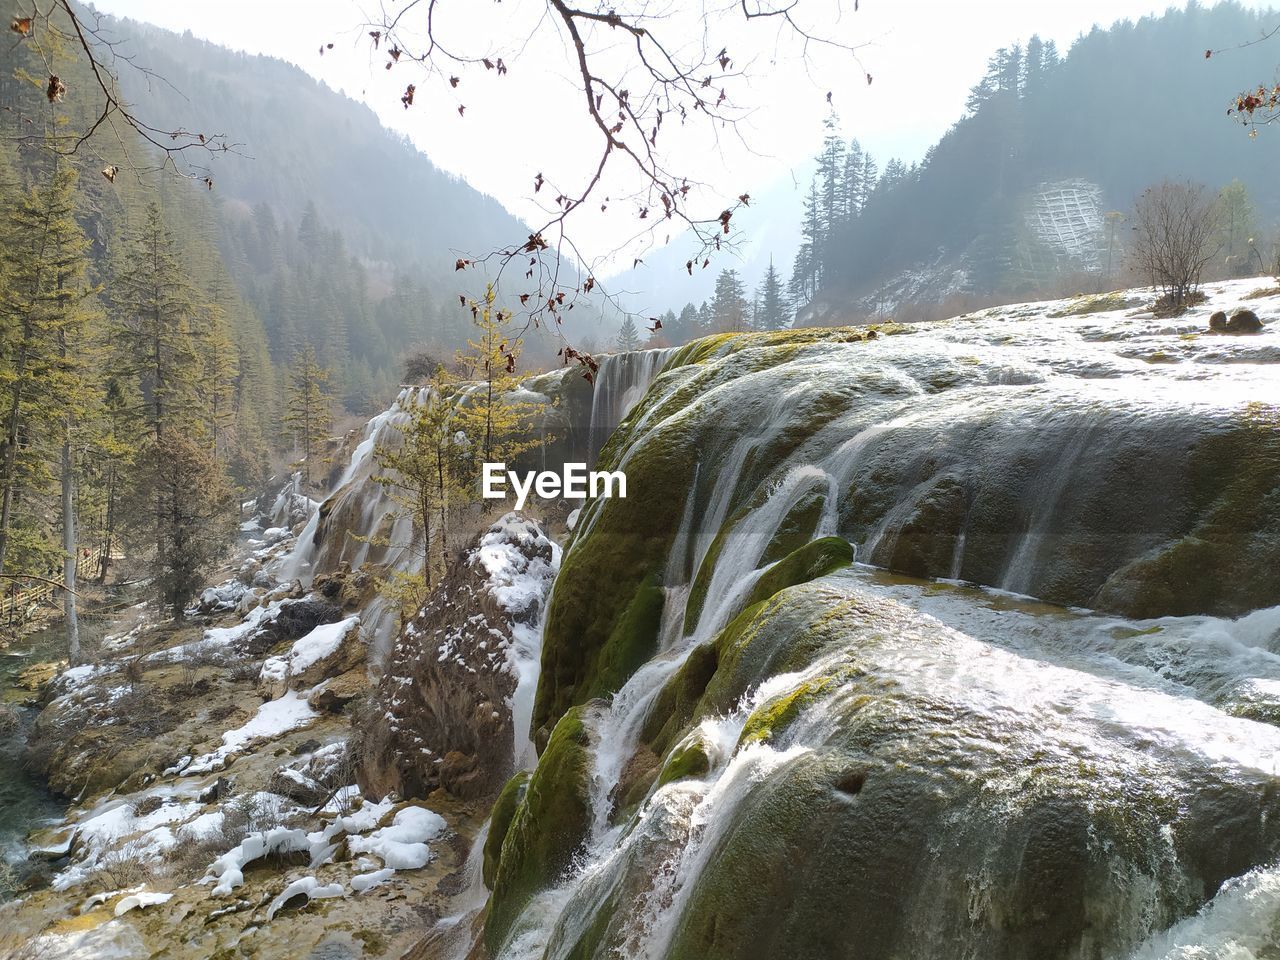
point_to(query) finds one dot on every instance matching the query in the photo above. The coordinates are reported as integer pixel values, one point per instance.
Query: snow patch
(403, 844)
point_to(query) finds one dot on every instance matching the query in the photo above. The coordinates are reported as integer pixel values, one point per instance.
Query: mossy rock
(690, 758)
(813, 560)
(771, 718)
(633, 640)
(1227, 562)
(504, 811)
(550, 824)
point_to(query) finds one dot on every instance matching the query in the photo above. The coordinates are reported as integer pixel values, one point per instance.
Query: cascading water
(976, 731)
(620, 382)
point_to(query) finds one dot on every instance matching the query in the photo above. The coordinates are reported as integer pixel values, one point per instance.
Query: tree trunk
(69, 548)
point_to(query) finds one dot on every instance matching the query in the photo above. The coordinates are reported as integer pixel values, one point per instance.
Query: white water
(1107, 684)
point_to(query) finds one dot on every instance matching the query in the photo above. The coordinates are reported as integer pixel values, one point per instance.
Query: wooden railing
(18, 604)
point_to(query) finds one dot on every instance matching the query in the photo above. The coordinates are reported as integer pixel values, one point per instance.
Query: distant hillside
(1015, 196)
(309, 143)
(338, 232)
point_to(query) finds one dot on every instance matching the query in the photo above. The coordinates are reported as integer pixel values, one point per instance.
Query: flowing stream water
(25, 803)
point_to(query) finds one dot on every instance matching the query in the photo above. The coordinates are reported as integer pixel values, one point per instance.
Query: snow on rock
(363, 882)
(113, 828)
(521, 561)
(145, 898)
(308, 887)
(273, 719)
(225, 596)
(403, 844)
(321, 643)
(227, 872)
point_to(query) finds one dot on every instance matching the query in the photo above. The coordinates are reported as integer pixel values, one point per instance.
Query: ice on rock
(403, 844)
(308, 887)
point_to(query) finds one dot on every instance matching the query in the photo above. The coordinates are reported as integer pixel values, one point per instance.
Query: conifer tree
(156, 327)
(730, 305)
(772, 308)
(44, 309)
(628, 338)
(180, 502)
(42, 294)
(309, 414)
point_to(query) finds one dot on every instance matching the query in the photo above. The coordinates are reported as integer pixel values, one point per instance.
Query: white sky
(923, 54)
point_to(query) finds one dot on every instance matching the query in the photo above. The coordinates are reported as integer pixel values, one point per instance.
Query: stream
(25, 804)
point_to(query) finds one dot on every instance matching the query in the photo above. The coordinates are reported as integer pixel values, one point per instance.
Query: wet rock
(1218, 321)
(548, 827)
(1243, 321)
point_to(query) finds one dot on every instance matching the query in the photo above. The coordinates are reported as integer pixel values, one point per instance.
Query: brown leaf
(689, 266)
(1208, 54)
(56, 89)
(744, 199)
(524, 298)
(537, 183)
(110, 172)
(461, 264)
(21, 26)
(377, 37)
(407, 98)
(462, 109)
(454, 81)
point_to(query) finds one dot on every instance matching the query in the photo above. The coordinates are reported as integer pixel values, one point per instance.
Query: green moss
(690, 758)
(814, 560)
(632, 642)
(504, 811)
(769, 719)
(797, 527)
(549, 826)
(604, 574)
(1095, 303)
(1226, 562)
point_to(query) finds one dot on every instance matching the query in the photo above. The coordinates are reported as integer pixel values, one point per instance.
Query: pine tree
(156, 328)
(831, 198)
(42, 293)
(219, 378)
(180, 502)
(43, 315)
(628, 338)
(851, 183)
(729, 308)
(772, 313)
(308, 414)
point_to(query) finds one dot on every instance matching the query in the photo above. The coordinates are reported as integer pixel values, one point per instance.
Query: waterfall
(1032, 452)
(620, 382)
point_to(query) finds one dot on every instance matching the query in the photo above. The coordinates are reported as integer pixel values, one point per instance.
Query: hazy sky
(923, 54)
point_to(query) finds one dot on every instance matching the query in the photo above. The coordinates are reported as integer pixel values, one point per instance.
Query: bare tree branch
(629, 92)
(59, 24)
